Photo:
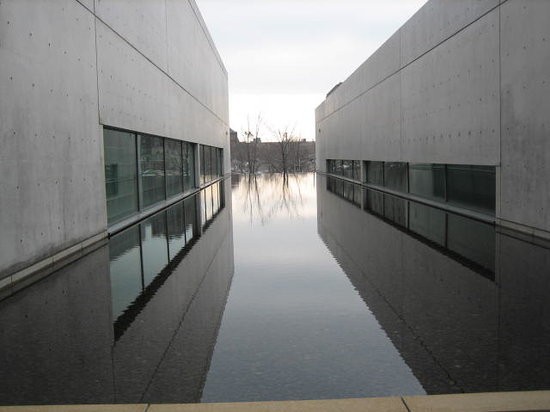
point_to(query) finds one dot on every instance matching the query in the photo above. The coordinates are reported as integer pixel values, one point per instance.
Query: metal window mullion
(141, 257)
(164, 167)
(137, 140)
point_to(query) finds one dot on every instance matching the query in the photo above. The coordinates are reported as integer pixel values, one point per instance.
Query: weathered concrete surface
(525, 54)
(52, 185)
(67, 67)
(460, 83)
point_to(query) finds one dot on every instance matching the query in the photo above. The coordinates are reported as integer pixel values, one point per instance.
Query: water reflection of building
(108, 330)
(467, 313)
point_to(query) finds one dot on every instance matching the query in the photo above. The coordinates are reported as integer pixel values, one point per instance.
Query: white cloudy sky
(283, 56)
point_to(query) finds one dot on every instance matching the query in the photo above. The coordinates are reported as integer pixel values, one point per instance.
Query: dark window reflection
(176, 229)
(428, 222)
(467, 240)
(125, 265)
(374, 202)
(395, 209)
(154, 246)
(140, 256)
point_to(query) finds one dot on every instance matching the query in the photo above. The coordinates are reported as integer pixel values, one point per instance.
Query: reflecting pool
(269, 289)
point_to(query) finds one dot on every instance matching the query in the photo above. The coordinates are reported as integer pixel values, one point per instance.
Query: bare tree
(252, 138)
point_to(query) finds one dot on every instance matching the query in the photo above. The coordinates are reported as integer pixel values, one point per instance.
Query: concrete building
(452, 110)
(97, 98)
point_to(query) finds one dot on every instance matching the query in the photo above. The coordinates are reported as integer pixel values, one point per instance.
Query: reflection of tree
(271, 195)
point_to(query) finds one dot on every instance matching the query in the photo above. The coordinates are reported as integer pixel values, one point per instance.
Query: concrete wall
(462, 82)
(67, 67)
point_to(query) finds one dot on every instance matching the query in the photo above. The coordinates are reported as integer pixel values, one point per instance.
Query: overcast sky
(283, 56)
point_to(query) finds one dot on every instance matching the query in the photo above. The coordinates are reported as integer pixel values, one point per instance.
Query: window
(151, 169)
(472, 186)
(120, 175)
(174, 167)
(188, 166)
(375, 173)
(211, 163)
(427, 180)
(395, 176)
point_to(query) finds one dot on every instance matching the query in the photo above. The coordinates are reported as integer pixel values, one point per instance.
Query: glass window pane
(220, 162)
(120, 174)
(375, 173)
(208, 165)
(151, 163)
(427, 180)
(357, 170)
(176, 229)
(395, 176)
(174, 167)
(154, 246)
(202, 164)
(347, 166)
(472, 186)
(188, 166)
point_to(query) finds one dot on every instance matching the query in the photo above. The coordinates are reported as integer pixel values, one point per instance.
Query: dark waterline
(255, 290)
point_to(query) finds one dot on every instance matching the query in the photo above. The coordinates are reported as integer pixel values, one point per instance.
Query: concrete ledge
(18, 280)
(499, 401)
(532, 232)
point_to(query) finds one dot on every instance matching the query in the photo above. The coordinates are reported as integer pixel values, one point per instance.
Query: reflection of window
(466, 240)
(140, 256)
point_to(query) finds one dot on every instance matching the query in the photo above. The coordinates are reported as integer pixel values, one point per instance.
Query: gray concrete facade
(70, 67)
(462, 82)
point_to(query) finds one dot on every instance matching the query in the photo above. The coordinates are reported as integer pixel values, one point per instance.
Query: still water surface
(259, 290)
(294, 326)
